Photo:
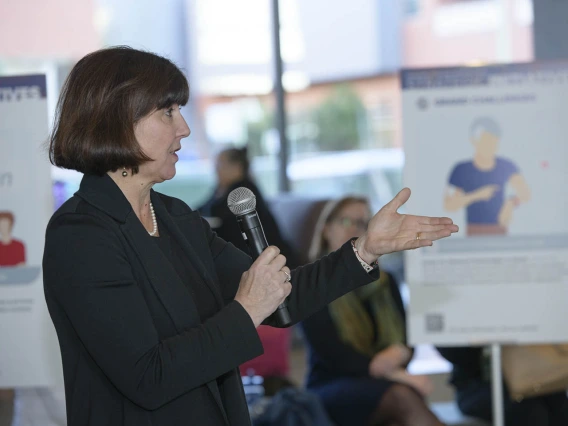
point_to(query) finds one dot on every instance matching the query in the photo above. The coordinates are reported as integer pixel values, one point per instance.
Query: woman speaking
(153, 311)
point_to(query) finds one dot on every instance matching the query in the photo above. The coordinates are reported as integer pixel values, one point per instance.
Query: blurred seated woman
(358, 355)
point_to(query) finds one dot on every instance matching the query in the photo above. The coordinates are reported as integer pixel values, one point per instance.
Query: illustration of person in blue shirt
(489, 186)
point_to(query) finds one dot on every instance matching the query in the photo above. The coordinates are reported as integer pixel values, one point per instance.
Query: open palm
(390, 231)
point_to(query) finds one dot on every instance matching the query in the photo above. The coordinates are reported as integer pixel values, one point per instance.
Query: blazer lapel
(103, 193)
(184, 229)
(169, 288)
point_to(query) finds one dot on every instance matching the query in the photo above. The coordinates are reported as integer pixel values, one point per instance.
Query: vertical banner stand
(497, 385)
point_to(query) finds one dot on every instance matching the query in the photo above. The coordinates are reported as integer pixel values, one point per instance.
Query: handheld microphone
(242, 203)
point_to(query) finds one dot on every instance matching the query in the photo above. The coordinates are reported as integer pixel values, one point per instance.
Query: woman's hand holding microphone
(265, 285)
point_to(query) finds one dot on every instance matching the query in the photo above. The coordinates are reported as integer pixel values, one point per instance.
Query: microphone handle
(253, 234)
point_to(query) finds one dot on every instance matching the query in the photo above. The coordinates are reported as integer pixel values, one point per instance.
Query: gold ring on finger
(418, 235)
(288, 276)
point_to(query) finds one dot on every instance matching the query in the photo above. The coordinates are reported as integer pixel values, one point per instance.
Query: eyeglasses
(348, 222)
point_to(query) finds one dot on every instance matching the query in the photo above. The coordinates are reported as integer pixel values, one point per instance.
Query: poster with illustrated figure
(488, 147)
(29, 351)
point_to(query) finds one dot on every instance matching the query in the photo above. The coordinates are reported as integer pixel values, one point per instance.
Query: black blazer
(134, 349)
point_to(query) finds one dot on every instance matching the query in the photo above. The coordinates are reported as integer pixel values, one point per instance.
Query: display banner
(29, 353)
(488, 147)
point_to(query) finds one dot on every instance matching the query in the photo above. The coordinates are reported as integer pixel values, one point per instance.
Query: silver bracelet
(365, 265)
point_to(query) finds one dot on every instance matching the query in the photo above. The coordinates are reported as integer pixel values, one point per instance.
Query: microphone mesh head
(241, 201)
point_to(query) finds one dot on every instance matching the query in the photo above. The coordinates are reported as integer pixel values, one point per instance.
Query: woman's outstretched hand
(390, 231)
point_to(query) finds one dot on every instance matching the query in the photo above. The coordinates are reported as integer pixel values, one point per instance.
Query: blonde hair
(319, 246)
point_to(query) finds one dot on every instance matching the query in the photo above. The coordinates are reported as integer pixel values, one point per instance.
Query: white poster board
(29, 353)
(488, 147)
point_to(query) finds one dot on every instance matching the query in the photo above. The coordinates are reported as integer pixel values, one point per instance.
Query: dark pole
(283, 182)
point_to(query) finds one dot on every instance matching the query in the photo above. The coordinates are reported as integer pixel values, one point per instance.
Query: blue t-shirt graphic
(469, 178)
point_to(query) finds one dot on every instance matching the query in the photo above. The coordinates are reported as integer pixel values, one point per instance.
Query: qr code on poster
(434, 323)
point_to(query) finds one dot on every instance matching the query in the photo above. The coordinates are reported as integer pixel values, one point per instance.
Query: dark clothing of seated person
(472, 381)
(357, 344)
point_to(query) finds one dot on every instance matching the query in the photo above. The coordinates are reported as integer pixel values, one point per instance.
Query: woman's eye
(169, 112)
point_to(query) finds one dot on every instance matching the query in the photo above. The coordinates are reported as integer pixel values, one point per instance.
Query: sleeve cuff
(242, 338)
(357, 272)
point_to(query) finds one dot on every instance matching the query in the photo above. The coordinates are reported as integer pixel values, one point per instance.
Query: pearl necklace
(154, 222)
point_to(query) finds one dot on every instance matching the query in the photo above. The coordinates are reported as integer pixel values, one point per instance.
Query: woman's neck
(137, 192)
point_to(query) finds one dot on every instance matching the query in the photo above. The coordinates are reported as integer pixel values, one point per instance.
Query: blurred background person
(232, 168)
(357, 345)
(233, 171)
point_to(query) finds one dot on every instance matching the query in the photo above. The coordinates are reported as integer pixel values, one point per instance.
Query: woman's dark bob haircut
(104, 96)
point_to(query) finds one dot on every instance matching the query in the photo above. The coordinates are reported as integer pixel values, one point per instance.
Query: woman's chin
(170, 175)
(165, 176)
